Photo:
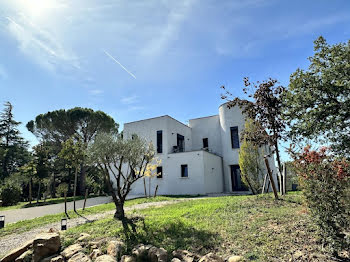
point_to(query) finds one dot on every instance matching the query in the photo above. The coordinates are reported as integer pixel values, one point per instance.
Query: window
(180, 143)
(234, 137)
(160, 141)
(205, 143)
(133, 136)
(159, 172)
(184, 171)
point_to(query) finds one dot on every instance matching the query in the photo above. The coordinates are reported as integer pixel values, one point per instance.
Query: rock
(141, 251)
(54, 258)
(95, 253)
(83, 237)
(211, 257)
(25, 257)
(175, 260)
(128, 259)
(157, 254)
(185, 256)
(105, 258)
(235, 259)
(68, 252)
(45, 245)
(15, 253)
(79, 257)
(115, 248)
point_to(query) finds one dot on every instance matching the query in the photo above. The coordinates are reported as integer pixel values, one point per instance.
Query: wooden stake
(263, 189)
(284, 178)
(65, 203)
(75, 187)
(86, 194)
(271, 178)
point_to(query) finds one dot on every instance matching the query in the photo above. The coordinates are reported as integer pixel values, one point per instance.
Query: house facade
(198, 158)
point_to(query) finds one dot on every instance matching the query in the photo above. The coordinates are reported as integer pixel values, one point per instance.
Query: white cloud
(41, 46)
(129, 100)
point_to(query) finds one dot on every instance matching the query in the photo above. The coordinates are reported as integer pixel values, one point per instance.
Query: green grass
(26, 225)
(49, 201)
(257, 227)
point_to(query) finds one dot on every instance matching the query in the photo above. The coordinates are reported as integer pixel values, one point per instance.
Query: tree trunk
(82, 182)
(119, 213)
(53, 186)
(144, 186)
(75, 187)
(278, 162)
(38, 197)
(30, 191)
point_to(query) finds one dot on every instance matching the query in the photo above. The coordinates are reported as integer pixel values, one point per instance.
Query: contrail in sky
(115, 60)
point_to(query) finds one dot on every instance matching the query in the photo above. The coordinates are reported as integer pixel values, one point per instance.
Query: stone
(79, 257)
(141, 251)
(25, 257)
(54, 258)
(68, 252)
(126, 258)
(185, 256)
(105, 258)
(235, 259)
(95, 253)
(175, 260)
(115, 248)
(211, 257)
(45, 244)
(83, 237)
(15, 253)
(157, 254)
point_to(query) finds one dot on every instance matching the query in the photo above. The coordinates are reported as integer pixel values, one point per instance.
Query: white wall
(206, 127)
(175, 127)
(213, 176)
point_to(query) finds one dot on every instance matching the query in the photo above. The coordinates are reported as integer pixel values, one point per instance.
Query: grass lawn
(26, 225)
(49, 201)
(257, 227)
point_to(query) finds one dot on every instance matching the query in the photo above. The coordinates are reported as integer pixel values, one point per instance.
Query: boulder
(15, 253)
(185, 256)
(79, 257)
(235, 259)
(25, 257)
(141, 251)
(211, 257)
(83, 237)
(95, 253)
(54, 258)
(105, 258)
(157, 254)
(45, 245)
(115, 248)
(175, 260)
(68, 252)
(126, 258)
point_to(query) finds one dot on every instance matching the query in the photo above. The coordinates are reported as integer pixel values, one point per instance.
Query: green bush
(325, 182)
(62, 188)
(10, 194)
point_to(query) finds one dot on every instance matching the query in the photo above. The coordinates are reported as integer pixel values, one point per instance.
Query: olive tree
(122, 162)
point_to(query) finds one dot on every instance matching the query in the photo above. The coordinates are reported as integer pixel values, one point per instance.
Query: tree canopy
(318, 99)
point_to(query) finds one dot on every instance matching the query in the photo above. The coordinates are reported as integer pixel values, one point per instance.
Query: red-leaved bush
(325, 181)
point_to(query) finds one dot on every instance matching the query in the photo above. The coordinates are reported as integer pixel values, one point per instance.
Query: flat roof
(203, 117)
(156, 118)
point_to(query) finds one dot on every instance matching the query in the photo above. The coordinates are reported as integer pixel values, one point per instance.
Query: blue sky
(53, 52)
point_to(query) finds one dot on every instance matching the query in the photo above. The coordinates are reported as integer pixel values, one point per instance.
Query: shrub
(325, 181)
(10, 193)
(61, 189)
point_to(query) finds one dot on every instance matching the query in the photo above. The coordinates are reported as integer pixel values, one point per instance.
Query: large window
(180, 143)
(160, 141)
(234, 137)
(159, 172)
(205, 143)
(184, 171)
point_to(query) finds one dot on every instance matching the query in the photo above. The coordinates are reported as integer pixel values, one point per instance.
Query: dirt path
(7, 243)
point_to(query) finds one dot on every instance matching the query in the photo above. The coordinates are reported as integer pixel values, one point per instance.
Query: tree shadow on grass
(174, 235)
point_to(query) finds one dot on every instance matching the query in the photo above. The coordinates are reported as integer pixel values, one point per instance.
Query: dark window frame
(160, 170)
(205, 142)
(184, 171)
(160, 141)
(178, 139)
(234, 136)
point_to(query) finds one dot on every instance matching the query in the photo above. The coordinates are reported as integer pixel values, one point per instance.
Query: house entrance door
(237, 184)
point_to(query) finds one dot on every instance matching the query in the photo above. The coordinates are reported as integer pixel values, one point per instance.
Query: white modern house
(198, 158)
